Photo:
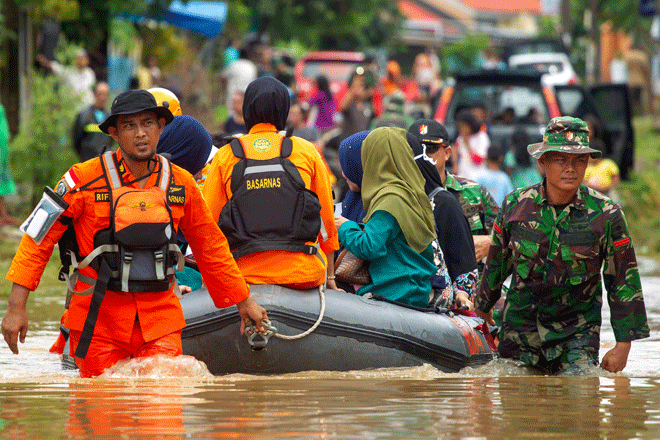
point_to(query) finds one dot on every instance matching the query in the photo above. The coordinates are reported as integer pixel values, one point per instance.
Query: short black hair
(495, 153)
(468, 118)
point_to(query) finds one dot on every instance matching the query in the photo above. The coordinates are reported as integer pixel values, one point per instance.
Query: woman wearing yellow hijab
(399, 225)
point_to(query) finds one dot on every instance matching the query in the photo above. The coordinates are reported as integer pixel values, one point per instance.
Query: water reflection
(348, 408)
(180, 400)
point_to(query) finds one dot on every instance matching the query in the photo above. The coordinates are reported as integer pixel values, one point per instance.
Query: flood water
(168, 399)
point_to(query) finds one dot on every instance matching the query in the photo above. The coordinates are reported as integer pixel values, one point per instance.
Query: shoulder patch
(71, 178)
(62, 187)
(623, 242)
(176, 195)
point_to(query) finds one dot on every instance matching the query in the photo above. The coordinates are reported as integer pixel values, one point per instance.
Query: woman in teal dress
(7, 186)
(399, 226)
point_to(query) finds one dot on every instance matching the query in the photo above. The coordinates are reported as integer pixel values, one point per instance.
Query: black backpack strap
(67, 243)
(103, 277)
(237, 148)
(254, 246)
(435, 192)
(287, 147)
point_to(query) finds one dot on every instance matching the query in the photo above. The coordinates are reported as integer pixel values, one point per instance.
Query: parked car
(533, 45)
(335, 65)
(515, 98)
(556, 67)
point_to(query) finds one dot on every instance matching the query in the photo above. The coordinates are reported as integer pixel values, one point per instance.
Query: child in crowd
(492, 177)
(518, 164)
(602, 174)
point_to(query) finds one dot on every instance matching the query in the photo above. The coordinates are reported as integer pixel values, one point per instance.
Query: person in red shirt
(129, 323)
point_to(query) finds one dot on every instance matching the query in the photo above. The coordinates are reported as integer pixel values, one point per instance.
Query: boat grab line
(266, 322)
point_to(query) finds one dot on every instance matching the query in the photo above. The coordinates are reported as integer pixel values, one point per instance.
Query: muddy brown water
(178, 399)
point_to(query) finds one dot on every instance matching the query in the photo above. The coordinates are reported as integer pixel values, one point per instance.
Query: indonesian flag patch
(71, 178)
(622, 242)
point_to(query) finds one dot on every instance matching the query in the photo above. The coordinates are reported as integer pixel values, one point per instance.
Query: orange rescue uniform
(288, 268)
(158, 313)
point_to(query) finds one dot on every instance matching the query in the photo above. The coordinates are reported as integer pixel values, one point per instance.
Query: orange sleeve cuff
(330, 245)
(29, 263)
(22, 274)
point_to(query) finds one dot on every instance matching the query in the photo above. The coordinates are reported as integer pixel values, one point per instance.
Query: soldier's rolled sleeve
(622, 282)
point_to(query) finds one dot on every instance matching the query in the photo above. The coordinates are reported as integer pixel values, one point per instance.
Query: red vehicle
(336, 66)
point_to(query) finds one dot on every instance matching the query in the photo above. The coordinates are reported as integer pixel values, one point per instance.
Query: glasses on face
(564, 161)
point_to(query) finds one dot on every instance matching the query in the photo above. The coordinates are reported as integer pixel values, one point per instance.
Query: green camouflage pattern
(478, 205)
(564, 134)
(554, 257)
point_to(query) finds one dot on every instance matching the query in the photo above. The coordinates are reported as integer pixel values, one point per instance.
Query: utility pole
(566, 24)
(593, 53)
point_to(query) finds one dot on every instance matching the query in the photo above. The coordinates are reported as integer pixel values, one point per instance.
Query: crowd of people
(442, 222)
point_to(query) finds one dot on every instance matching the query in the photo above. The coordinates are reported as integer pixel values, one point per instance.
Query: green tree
(623, 14)
(464, 54)
(337, 24)
(41, 152)
(5, 34)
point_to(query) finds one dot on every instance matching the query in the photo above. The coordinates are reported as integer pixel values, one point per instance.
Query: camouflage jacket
(478, 205)
(555, 258)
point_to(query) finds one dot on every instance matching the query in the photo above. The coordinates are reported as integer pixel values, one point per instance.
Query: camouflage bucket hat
(564, 135)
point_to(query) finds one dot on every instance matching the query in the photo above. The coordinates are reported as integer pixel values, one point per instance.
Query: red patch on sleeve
(622, 242)
(71, 178)
(497, 228)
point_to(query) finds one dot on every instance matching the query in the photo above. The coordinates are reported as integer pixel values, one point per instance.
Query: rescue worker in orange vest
(255, 189)
(117, 312)
(188, 144)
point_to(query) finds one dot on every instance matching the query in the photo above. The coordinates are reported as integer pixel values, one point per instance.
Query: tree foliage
(5, 35)
(41, 152)
(318, 23)
(88, 21)
(623, 14)
(464, 54)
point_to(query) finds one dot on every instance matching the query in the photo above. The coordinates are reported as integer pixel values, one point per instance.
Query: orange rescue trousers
(104, 352)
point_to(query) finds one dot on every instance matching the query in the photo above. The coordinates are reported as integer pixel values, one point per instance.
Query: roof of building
(507, 7)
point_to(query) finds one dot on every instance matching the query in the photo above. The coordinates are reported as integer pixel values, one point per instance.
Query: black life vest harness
(137, 252)
(270, 207)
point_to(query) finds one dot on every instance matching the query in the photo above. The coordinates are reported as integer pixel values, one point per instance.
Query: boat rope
(259, 341)
(316, 324)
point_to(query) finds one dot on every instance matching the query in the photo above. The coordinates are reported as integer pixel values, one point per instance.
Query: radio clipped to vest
(270, 207)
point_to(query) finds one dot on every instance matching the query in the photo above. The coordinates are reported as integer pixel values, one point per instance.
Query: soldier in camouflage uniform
(478, 205)
(553, 238)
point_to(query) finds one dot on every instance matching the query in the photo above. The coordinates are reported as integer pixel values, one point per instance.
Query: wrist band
(331, 278)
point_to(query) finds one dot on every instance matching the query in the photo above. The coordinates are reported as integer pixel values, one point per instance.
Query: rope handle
(252, 333)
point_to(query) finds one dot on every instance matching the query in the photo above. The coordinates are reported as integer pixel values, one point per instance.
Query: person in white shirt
(237, 76)
(469, 156)
(80, 79)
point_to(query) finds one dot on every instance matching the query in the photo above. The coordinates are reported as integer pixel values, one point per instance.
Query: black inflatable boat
(333, 331)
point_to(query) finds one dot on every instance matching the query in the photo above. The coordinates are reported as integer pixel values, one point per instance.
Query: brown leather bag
(351, 269)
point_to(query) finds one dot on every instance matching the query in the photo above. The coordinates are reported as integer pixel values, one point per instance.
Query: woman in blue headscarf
(188, 144)
(351, 168)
